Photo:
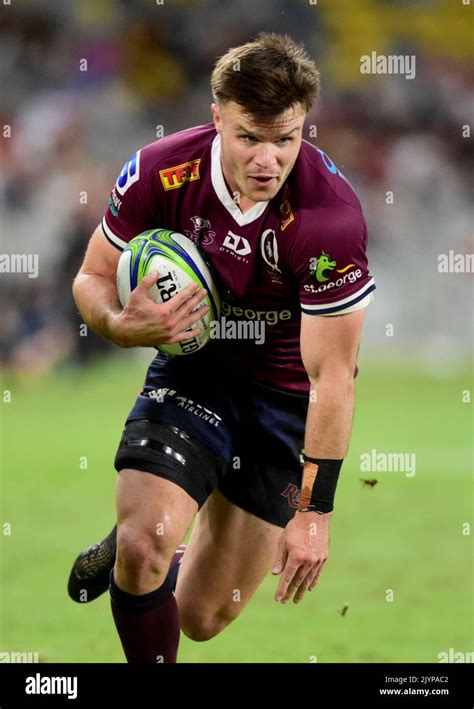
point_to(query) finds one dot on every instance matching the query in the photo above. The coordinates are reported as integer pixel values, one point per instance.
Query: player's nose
(265, 156)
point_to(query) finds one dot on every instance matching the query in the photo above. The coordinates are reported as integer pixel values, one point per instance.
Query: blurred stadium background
(66, 132)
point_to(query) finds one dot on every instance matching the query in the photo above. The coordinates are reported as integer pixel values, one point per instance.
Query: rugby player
(245, 438)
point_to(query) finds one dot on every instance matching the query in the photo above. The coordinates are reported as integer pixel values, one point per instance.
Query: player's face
(258, 157)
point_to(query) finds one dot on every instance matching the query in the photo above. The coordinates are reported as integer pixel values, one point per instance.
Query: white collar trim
(222, 192)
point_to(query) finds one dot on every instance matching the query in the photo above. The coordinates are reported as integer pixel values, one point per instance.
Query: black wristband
(318, 494)
(306, 459)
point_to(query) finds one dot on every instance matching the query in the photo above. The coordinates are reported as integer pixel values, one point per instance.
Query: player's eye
(248, 138)
(285, 140)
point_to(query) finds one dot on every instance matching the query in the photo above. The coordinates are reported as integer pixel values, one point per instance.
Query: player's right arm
(141, 323)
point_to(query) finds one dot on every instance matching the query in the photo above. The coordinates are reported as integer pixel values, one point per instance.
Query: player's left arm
(329, 347)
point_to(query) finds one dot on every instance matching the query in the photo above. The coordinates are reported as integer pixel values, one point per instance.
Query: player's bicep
(329, 345)
(101, 257)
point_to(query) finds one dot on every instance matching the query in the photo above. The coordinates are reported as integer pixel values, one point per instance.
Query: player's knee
(205, 627)
(141, 559)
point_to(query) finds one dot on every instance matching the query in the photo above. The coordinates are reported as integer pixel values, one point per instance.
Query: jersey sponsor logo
(350, 277)
(114, 203)
(177, 176)
(328, 162)
(236, 245)
(292, 494)
(129, 175)
(318, 267)
(271, 317)
(202, 234)
(333, 169)
(286, 212)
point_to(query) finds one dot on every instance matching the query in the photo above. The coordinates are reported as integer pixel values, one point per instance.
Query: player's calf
(153, 516)
(201, 626)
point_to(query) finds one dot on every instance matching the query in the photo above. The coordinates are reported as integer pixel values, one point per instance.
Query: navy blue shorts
(241, 436)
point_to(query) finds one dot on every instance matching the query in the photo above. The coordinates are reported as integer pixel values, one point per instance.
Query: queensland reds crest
(201, 235)
(269, 251)
(269, 248)
(292, 493)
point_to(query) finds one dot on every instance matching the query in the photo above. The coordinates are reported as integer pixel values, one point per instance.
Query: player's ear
(216, 116)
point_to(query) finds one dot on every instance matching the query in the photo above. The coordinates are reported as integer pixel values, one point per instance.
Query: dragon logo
(318, 266)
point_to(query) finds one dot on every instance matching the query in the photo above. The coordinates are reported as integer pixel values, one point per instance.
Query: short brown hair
(266, 76)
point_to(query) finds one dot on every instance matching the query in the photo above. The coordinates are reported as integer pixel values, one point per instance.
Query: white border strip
(116, 240)
(338, 303)
(352, 308)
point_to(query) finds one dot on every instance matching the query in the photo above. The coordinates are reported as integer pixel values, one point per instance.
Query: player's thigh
(152, 510)
(227, 557)
(169, 458)
(165, 476)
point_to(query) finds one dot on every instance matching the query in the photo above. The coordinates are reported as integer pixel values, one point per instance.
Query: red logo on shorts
(293, 493)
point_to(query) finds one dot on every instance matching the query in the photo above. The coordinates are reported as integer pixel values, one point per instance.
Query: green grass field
(404, 534)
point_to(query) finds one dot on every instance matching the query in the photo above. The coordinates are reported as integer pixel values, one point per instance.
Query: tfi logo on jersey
(177, 176)
(130, 174)
(202, 234)
(292, 493)
(236, 245)
(318, 267)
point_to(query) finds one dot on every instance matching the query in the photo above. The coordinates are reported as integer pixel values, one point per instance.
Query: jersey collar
(222, 192)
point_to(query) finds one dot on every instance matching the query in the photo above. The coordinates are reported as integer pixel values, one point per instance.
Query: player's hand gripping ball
(179, 263)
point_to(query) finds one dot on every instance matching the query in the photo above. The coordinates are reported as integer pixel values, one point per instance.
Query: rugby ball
(179, 263)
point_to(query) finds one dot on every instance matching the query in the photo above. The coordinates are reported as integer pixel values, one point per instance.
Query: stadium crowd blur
(74, 123)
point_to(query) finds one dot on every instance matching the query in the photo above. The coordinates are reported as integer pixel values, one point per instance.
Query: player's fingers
(281, 557)
(316, 576)
(298, 580)
(182, 336)
(189, 303)
(186, 322)
(143, 289)
(147, 282)
(305, 584)
(291, 568)
(183, 296)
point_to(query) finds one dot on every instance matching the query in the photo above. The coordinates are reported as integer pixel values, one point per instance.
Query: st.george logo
(319, 266)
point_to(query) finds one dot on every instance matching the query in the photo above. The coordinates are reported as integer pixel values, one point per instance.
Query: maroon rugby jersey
(302, 250)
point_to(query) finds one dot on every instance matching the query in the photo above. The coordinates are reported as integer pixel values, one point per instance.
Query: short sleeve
(131, 202)
(330, 263)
